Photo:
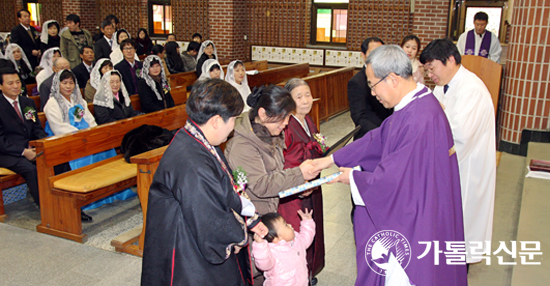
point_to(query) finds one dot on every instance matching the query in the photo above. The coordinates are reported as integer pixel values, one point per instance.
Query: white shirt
(55, 118)
(11, 103)
(89, 68)
(469, 109)
(494, 51)
(110, 41)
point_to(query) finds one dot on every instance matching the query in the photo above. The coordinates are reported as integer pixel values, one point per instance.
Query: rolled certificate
(312, 184)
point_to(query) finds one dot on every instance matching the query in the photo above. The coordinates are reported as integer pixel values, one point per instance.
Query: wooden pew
(8, 179)
(60, 207)
(332, 88)
(277, 75)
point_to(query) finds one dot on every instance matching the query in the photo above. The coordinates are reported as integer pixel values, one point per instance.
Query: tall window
(329, 21)
(36, 11)
(160, 17)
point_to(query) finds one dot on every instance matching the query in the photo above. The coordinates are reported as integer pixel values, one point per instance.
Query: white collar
(108, 40)
(482, 35)
(410, 97)
(11, 100)
(87, 66)
(131, 64)
(457, 76)
(305, 127)
(28, 29)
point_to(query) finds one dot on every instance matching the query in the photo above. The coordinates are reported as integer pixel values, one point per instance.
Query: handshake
(311, 168)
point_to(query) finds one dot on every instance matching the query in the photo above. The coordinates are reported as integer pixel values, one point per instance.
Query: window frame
(330, 6)
(39, 5)
(150, 4)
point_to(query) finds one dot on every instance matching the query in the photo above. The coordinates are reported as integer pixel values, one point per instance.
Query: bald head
(61, 64)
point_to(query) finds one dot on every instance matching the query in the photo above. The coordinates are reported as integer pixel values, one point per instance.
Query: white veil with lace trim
(206, 69)
(76, 96)
(149, 80)
(104, 95)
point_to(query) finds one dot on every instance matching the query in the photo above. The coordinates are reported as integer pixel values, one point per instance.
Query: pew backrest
(279, 74)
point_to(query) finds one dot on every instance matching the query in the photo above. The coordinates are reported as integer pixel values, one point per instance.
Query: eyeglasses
(372, 86)
(128, 48)
(430, 69)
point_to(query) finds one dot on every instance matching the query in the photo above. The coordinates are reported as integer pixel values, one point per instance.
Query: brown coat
(263, 164)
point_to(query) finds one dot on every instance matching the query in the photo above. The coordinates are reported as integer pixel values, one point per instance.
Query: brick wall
(8, 16)
(189, 17)
(525, 101)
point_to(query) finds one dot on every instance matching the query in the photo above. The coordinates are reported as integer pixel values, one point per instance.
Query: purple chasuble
(409, 184)
(471, 42)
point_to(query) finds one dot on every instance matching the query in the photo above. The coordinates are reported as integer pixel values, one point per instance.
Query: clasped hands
(311, 168)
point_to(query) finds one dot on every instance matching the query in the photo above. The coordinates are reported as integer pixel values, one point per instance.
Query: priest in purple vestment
(408, 191)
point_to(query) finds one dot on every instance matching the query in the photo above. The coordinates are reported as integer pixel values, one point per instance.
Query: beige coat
(263, 164)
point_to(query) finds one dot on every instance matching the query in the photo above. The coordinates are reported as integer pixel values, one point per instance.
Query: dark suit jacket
(365, 109)
(149, 100)
(21, 37)
(82, 74)
(124, 68)
(45, 90)
(120, 111)
(14, 134)
(102, 49)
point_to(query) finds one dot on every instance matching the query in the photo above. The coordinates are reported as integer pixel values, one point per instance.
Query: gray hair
(390, 59)
(294, 83)
(56, 61)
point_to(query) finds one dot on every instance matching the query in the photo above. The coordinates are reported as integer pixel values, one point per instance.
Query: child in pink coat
(281, 254)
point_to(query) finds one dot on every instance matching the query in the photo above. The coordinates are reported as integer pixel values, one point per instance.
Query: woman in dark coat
(173, 58)
(111, 100)
(144, 43)
(300, 146)
(49, 38)
(153, 87)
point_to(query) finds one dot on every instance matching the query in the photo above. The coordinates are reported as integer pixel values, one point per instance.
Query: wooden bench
(8, 179)
(62, 196)
(279, 74)
(332, 88)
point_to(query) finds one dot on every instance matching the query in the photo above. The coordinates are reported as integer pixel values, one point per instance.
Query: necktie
(445, 88)
(17, 111)
(30, 34)
(111, 43)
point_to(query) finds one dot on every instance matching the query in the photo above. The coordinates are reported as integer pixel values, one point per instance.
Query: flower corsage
(322, 140)
(239, 176)
(30, 113)
(78, 112)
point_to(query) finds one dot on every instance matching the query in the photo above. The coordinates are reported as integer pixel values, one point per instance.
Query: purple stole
(485, 44)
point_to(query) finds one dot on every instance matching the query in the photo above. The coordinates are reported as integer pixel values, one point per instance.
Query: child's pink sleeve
(307, 232)
(263, 258)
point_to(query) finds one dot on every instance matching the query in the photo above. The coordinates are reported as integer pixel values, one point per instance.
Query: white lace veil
(76, 96)
(203, 47)
(95, 74)
(9, 56)
(149, 80)
(104, 94)
(206, 69)
(44, 34)
(47, 61)
(230, 77)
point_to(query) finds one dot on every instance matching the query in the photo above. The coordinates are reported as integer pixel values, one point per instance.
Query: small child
(283, 259)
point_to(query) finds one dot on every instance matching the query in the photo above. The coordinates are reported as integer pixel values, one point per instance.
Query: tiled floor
(30, 258)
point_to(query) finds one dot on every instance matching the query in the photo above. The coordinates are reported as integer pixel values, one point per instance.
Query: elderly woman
(111, 101)
(206, 52)
(153, 87)
(100, 68)
(46, 63)
(198, 217)
(257, 148)
(236, 76)
(49, 37)
(301, 145)
(211, 69)
(15, 54)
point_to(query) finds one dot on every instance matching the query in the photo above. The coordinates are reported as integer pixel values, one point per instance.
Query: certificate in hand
(312, 184)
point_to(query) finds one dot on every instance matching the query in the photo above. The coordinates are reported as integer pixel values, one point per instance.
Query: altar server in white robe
(470, 111)
(479, 41)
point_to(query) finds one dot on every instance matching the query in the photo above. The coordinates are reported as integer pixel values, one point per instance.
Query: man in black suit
(83, 69)
(44, 90)
(26, 37)
(365, 110)
(19, 124)
(129, 67)
(102, 47)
